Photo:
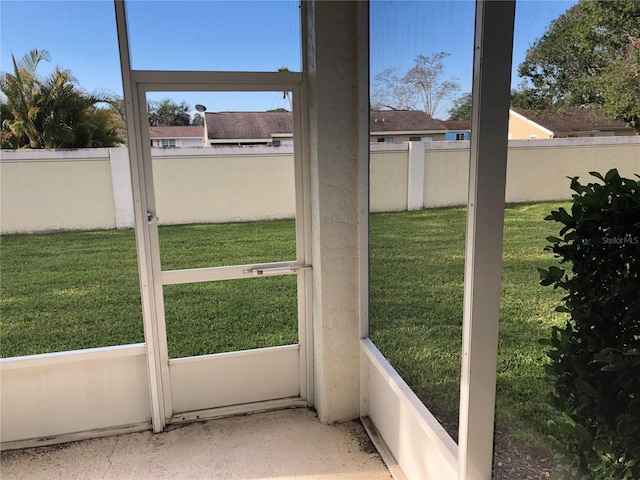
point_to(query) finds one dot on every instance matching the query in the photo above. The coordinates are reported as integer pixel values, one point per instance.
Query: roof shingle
(579, 120)
(403, 121)
(247, 125)
(191, 131)
(456, 124)
(262, 125)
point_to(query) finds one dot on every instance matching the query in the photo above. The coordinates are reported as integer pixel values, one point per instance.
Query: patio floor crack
(109, 459)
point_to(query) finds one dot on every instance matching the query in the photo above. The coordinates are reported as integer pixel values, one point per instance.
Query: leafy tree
(529, 99)
(422, 86)
(588, 56)
(197, 120)
(621, 87)
(166, 113)
(52, 112)
(116, 106)
(461, 108)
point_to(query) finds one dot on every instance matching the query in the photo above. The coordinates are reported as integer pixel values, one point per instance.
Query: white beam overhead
(179, 81)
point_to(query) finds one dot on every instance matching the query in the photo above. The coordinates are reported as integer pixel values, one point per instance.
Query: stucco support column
(331, 67)
(415, 190)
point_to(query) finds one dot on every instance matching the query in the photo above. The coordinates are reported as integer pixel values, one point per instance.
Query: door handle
(266, 271)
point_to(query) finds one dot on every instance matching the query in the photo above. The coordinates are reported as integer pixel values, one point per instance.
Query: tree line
(589, 56)
(54, 112)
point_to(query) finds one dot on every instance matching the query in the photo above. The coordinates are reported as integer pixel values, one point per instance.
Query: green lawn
(417, 271)
(65, 291)
(73, 290)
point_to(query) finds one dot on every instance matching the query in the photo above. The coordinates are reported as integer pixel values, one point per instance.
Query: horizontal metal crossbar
(195, 275)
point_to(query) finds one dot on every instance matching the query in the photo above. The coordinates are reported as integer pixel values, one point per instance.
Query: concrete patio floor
(284, 444)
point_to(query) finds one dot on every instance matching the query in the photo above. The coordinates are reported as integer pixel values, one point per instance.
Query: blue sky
(241, 35)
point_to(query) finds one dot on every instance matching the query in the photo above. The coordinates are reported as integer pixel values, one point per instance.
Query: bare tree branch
(422, 85)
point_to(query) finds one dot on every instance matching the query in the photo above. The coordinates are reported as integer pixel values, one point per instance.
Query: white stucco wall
(446, 174)
(537, 170)
(201, 188)
(192, 142)
(46, 190)
(389, 165)
(89, 189)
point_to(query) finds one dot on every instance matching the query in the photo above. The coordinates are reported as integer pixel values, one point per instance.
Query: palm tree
(52, 112)
(22, 93)
(8, 139)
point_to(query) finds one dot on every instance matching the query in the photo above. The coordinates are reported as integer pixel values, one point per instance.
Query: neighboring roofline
(577, 132)
(239, 140)
(282, 135)
(626, 128)
(528, 120)
(175, 137)
(408, 132)
(290, 135)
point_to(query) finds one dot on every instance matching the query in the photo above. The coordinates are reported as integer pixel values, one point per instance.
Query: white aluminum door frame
(136, 83)
(140, 210)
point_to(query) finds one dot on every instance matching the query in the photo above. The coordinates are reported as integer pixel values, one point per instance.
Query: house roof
(264, 125)
(456, 124)
(403, 121)
(579, 120)
(247, 125)
(192, 131)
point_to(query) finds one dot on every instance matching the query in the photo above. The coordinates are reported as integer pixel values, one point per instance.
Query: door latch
(266, 271)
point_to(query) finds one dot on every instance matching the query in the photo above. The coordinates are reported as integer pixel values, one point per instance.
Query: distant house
(249, 128)
(582, 122)
(457, 129)
(275, 128)
(395, 126)
(177, 137)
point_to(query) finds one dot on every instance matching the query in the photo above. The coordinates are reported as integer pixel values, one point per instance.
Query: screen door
(226, 233)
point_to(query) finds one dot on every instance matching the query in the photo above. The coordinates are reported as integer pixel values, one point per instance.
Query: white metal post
(485, 221)
(363, 162)
(143, 240)
(303, 243)
(363, 190)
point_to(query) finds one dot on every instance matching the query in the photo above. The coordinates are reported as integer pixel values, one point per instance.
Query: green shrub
(595, 358)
